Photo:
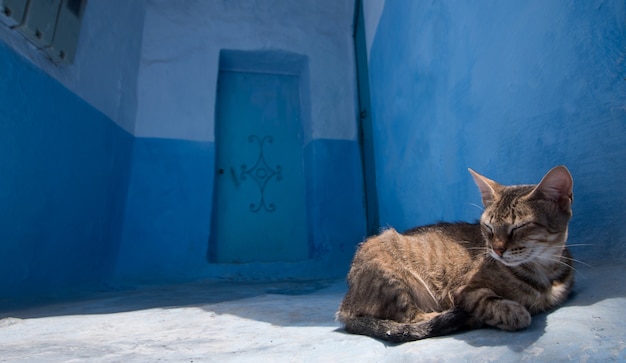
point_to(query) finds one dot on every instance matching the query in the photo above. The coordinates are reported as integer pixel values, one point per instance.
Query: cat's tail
(444, 323)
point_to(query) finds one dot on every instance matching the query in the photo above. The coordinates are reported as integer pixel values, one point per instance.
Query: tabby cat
(437, 279)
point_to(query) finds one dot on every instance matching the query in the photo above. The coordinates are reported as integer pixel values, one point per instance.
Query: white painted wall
(104, 72)
(152, 65)
(179, 64)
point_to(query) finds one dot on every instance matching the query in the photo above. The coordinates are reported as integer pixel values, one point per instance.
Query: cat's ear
(556, 186)
(489, 189)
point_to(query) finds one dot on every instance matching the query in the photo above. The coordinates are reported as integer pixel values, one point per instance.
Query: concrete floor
(293, 322)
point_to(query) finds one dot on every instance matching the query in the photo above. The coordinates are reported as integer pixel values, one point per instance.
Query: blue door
(260, 212)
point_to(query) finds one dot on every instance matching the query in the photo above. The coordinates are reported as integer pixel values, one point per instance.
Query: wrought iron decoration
(261, 173)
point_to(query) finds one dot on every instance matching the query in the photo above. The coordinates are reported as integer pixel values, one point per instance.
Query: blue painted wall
(168, 211)
(64, 168)
(84, 204)
(510, 89)
(168, 214)
(507, 88)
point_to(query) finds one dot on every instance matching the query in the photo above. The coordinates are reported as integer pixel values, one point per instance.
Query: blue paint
(85, 204)
(453, 85)
(336, 215)
(168, 232)
(63, 173)
(168, 215)
(366, 134)
(507, 88)
(336, 199)
(259, 190)
(168, 211)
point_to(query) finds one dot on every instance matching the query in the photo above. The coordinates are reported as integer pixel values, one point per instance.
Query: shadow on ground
(205, 294)
(310, 303)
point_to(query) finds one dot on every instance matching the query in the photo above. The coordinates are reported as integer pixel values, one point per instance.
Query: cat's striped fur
(437, 279)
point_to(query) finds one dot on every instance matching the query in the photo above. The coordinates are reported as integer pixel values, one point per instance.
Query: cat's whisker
(568, 259)
(577, 261)
(557, 261)
(477, 206)
(580, 244)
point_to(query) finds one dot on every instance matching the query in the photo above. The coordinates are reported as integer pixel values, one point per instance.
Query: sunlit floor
(293, 322)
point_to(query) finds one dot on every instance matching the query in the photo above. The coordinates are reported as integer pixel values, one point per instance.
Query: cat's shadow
(593, 286)
(490, 337)
(516, 341)
(520, 340)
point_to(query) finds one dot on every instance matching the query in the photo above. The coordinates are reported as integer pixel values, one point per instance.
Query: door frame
(268, 62)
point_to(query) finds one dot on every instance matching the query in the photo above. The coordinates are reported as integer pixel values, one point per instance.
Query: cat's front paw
(510, 315)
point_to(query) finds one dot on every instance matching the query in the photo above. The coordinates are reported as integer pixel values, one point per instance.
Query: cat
(437, 279)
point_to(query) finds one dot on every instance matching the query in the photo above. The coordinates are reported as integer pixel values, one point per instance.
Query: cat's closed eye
(520, 228)
(487, 230)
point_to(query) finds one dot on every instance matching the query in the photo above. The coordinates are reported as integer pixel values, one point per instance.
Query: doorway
(260, 212)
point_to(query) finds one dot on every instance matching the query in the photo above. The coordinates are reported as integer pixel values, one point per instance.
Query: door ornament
(261, 173)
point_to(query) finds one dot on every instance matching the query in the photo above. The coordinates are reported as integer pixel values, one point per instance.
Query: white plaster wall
(104, 71)
(179, 65)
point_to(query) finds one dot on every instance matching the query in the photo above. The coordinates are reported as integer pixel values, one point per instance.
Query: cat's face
(528, 223)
